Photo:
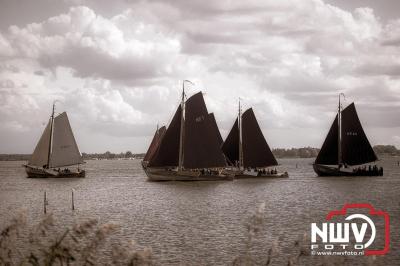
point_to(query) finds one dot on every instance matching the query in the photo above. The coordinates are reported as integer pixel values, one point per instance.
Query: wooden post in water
(73, 204)
(45, 202)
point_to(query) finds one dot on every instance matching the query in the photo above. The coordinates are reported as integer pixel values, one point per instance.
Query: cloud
(391, 34)
(117, 68)
(94, 46)
(5, 47)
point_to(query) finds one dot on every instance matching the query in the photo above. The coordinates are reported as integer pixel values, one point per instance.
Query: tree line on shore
(306, 152)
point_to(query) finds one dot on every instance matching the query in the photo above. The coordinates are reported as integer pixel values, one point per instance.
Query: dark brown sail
(256, 152)
(329, 152)
(167, 153)
(214, 125)
(356, 148)
(230, 147)
(154, 143)
(201, 144)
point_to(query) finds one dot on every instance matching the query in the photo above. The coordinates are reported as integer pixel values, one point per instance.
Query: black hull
(260, 176)
(240, 174)
(325, 170)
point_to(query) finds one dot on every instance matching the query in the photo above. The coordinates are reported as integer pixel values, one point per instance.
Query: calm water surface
(202, 223)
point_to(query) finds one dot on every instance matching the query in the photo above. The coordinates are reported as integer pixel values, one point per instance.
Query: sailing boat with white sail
(346, 146)
(247, 150)
(56, 149)
(190, 148)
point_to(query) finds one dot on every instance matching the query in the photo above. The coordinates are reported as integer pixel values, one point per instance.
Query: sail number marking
(200, 118)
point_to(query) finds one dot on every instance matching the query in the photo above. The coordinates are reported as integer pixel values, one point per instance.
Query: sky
(116, 67)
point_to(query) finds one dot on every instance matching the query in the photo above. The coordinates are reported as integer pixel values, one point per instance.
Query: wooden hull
(158, 175)
(34, 172)
(326, 170)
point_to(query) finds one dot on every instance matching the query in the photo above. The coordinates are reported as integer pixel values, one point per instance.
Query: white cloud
(118, 75)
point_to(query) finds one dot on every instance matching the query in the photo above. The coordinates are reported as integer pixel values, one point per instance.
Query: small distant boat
(56, 149)
(346, 147)
(247, 150)
(158, 135)
(190, 148)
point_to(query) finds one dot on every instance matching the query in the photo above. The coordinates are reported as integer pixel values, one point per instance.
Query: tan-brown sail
(40, 154)
(65, 151)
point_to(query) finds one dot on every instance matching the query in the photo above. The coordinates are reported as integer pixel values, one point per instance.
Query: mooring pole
(45, 202)
(73, 204)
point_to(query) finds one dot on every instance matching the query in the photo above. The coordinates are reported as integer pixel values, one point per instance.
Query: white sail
(64, 149)
(41, 152)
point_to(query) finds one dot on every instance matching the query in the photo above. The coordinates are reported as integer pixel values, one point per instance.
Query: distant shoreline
(306, 152)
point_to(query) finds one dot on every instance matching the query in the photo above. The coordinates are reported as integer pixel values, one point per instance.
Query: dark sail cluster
(201, 139)
(203, 147)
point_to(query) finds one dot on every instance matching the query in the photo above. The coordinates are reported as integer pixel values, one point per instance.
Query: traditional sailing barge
(247, 150)
(56, 148)
(189, 150)
(346, 147)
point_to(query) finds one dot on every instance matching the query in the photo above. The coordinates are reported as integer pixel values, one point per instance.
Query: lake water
(203, 223)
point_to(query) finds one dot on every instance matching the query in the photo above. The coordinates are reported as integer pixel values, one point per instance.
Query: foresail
(154, 143)
(65, 151)
(40, 154)
(329, 151)
(167, 152)
(356, 148)
(256, 152)
(214, 125)
(230, 147)
(201, 144)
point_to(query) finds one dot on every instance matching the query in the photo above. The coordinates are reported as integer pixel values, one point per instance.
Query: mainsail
(65, 151)
(167, 153)
(355, 146)
(214, 125)
(256, 152)
(40, 154)
(201, 144)
(154, 143)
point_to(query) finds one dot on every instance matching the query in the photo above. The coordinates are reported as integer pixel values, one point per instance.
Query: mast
(157, 131)
(182, 129)
(240, 137)
(340, 133)
(180, 161)
(51, 136)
